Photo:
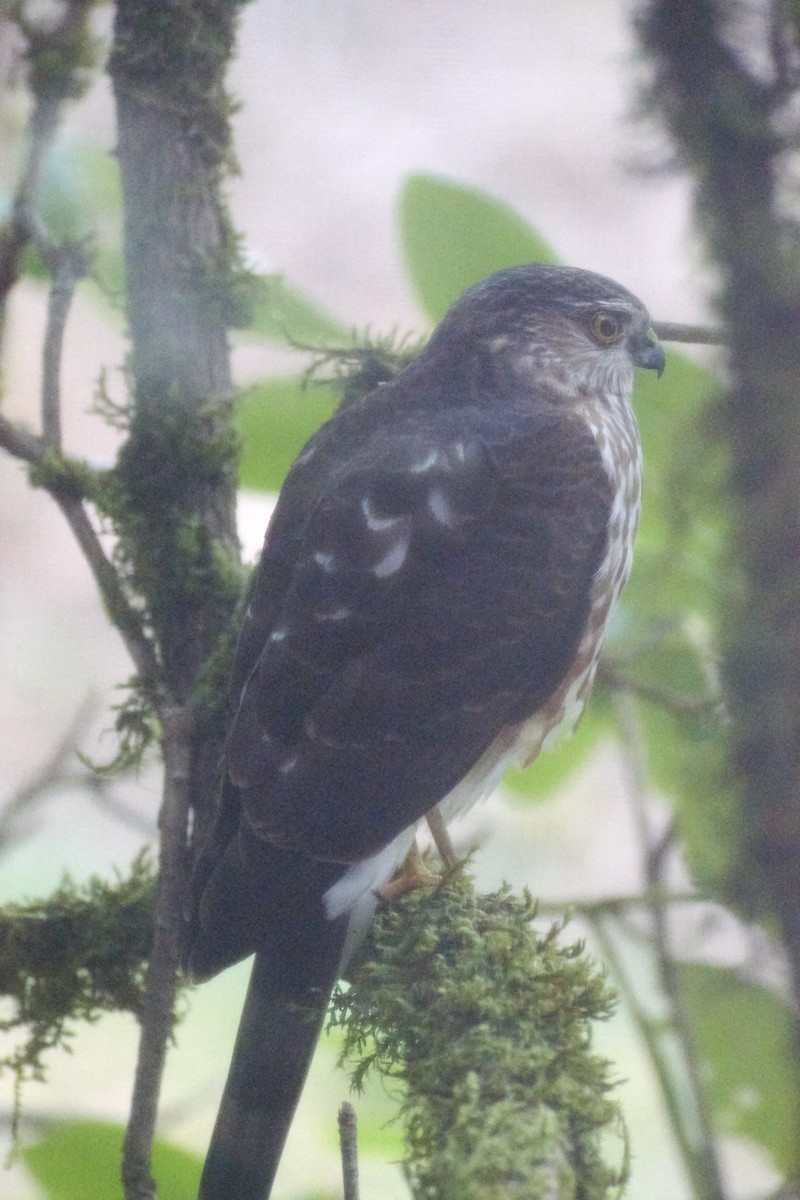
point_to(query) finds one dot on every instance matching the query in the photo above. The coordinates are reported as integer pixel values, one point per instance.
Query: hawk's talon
(412, 874)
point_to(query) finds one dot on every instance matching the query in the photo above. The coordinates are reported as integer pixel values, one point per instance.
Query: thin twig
(649, 1030)
(121, 612)
(702, 1160)
(672, 702)
(29, 448)
(23, 225)
(68, 264)
(348, 1141)
(20, 443)
(49, 774)
(160, 989)
(698, 335)
(612, 906)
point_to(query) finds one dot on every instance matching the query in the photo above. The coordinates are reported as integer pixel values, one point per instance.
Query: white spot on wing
(376, 524)
(278, 635)
(425, 464)
(392, 560)
(340, 613)
(440, 507)
(324, 560)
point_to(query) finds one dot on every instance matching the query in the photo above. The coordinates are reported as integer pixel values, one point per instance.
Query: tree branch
(68, 264)
(160, 986)
(698, 335)
(57, 54)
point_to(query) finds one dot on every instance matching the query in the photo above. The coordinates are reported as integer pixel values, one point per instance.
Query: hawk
(432, 596)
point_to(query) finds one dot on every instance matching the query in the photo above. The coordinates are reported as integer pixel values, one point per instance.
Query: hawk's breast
(613, 425)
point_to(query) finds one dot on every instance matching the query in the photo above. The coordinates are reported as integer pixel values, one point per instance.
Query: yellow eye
(607, 327)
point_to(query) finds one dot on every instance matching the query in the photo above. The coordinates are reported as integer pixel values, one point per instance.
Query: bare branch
(160, 989)
(698, 335)
(19, 442)
(348, 1141)
(68, 263)
(57, 56)
(121, 612)
(29, 448)
(680, 705)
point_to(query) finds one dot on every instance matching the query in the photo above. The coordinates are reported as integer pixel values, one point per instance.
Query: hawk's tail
(277, 1035)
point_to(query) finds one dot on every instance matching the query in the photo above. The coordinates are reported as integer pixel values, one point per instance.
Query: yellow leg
(441, 839)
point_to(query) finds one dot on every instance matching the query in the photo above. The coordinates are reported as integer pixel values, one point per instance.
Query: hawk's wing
(419, 590)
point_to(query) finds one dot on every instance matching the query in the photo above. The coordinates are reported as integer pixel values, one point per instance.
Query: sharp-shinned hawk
(431, 600)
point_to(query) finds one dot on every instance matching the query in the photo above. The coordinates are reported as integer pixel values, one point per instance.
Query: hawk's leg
(441, 839)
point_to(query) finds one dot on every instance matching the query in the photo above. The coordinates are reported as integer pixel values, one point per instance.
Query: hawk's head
(567, 329)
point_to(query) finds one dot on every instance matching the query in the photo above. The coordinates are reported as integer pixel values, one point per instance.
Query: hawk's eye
(607, 327)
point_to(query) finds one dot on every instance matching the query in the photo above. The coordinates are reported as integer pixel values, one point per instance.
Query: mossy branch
(487, 1023)
(69, 958)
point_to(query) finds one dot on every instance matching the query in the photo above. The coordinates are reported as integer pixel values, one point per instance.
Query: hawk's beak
(648, 352)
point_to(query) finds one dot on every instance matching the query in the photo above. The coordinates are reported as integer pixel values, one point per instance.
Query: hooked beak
(647, 352)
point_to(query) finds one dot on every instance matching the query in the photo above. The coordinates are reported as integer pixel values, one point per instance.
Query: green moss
(174, 457)
(70, 957)
(173, 54)
(59, 55)
(356, 370)
(487, 1023)
(63, 476)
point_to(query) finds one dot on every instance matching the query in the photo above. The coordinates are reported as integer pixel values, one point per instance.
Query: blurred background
(339, 104)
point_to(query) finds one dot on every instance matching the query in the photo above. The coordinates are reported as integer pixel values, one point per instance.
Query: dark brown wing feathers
(411, 604)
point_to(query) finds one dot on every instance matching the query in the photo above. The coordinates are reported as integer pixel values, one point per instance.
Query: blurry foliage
(453, 236)
(69, 1153)
(744, 1034)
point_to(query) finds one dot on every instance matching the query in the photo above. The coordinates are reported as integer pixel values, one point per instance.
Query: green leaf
(275, 419)
(80, 1160)
(453, 235)
(282, 313)
(743, 1033)
(79, 197)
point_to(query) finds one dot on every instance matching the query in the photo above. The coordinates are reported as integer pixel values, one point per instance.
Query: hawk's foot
(412, 874)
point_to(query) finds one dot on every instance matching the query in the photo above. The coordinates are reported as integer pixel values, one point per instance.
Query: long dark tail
(277, 1035)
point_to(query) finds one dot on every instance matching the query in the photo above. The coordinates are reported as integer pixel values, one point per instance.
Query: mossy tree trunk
(733, 116)
(174, 486)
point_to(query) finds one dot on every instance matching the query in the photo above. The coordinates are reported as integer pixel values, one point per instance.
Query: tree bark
(173, 492)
